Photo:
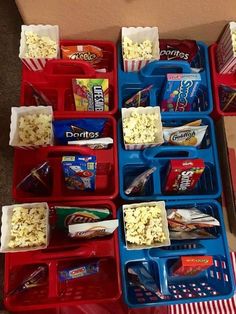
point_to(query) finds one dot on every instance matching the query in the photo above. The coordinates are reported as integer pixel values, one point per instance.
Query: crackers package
(185, 135)
(91, 94)
(183, 174)
(180, 91)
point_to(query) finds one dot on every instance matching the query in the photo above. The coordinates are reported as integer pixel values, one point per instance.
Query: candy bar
(191, 265)
(78, 272)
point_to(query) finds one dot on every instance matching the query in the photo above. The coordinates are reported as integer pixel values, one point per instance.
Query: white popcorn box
(126, 112)
(161, 205)
(225, 54)
(138, 35)
(7, 212)
(16, 113)
(51, 31)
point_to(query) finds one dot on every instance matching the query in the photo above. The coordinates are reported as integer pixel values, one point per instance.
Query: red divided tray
(217, 80)
(56, 79)
(107, 168)
(62, 253)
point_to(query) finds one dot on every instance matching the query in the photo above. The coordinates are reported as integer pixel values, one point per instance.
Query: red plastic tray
(61, 253)
(217, 80)
(55, 80)
(107, 184)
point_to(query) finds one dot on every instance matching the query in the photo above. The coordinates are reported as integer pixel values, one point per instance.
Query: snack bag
(191, 265)
(37, 278)
(139, 99)
(137, 186)
(91, 94)
(73, 215)
(227, 98)
(79, 272)
(97, 143)
(186, 135)
(140, 277)
(174, 49)
(179, 91)
(79, 172)
(183, 174)
(190, 223)
(93, 230)
(38, 181)
(88, 53)
(78, 130)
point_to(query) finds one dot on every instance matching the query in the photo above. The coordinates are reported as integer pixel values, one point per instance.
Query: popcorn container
(51, 31)
(126, 112)
(138, 35)
(7, 212)
(226, 52)
(17, 113)
(161, 205)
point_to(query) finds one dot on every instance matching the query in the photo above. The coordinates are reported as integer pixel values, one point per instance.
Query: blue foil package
(79, 172)
(79, 272)
(78, 129)
(180, 91)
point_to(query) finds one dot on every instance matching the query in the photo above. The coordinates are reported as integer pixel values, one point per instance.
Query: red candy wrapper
(191, 265)
(174, 49)
(183, 174)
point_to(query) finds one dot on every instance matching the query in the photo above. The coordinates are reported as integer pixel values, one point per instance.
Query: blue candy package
(79, 271)
(180, 91)
(79, 172)
(78, 129)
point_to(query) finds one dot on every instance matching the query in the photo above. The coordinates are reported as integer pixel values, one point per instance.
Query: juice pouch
(79, 172)
(91, 94)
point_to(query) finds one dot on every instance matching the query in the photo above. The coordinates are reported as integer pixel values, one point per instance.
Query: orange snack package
(88, 53)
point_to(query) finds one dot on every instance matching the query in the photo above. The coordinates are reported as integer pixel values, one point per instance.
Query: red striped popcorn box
(17, 113)
(226, 52)
(139, 35)
(50, 31)
(127, 112)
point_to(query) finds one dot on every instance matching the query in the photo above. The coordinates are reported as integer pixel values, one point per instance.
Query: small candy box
(38, 44)
(31, 126)
(183, 175)
(226, 50)
(179, 91)
(25, 227)
(140, 46)
(91, 94)
(191, 265)
(79, 172)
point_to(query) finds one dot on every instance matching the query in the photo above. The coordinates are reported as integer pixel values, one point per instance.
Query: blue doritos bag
(78, 129)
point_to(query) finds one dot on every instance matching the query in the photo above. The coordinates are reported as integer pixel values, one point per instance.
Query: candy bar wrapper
(137, 186)
(51, 31)
(227, 98)
(191, 265)
(16, 113)
(225, 52)
(147, 110)
(161, 205)
(140, 34)
(7, 212)
(93, 230)
(78, 272)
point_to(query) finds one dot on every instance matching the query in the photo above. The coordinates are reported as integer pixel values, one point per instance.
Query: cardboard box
(226, 139)
(103, 19)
